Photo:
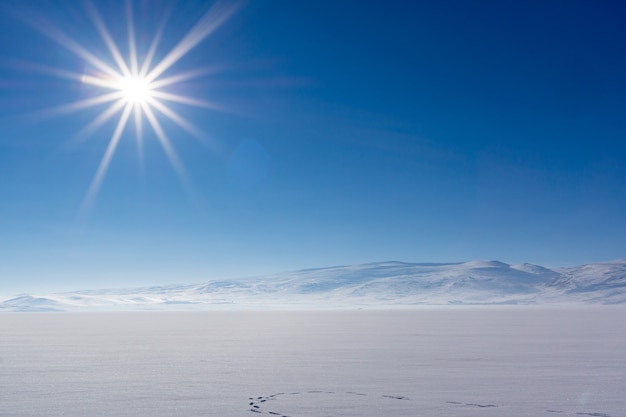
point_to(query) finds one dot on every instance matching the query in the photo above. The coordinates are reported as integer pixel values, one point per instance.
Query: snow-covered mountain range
(382, 284)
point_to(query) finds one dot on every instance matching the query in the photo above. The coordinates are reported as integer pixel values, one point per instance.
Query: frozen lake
(492, 361)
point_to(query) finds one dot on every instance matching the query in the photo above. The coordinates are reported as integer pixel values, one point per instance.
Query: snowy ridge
(602, 282)
(367, 285)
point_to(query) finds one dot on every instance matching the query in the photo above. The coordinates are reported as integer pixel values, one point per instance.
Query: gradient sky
(351, 132)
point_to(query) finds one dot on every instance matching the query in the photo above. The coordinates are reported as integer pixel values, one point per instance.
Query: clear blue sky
(352, 131)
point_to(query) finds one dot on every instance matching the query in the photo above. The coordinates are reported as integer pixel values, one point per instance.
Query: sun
(132, 85)
(135, 90)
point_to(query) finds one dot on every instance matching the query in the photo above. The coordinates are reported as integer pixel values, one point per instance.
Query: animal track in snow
(270, 404)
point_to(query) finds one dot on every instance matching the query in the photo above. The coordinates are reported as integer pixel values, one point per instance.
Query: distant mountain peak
(486, 264)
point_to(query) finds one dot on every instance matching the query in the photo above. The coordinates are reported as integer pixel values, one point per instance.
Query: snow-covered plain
(444, 361)
(382, 284)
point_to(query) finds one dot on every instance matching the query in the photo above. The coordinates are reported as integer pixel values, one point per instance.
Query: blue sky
(350, 132)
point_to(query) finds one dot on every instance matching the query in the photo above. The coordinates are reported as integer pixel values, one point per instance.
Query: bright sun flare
(135, 90)
(135, 85)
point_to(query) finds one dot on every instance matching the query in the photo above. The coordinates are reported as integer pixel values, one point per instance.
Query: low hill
(381, 284)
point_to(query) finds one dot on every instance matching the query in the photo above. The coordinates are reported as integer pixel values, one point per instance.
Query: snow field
(452, 361)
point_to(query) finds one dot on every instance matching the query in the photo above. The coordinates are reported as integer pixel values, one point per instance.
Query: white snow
(498, 361)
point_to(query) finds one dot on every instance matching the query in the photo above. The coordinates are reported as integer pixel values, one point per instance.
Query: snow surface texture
(373, 285)
(458, 361)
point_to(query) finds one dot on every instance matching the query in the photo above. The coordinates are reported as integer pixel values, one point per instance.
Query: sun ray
(145, 67)
(175, 117)
(108, 40)
(132, 46)
(139, 133)
(43, 26)
(99, 81)
(211, 21)
(94, 187)
(165, 143)
(42, 69)
(81, 104)
(99, 121)
(183, 76)
(177, 98)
